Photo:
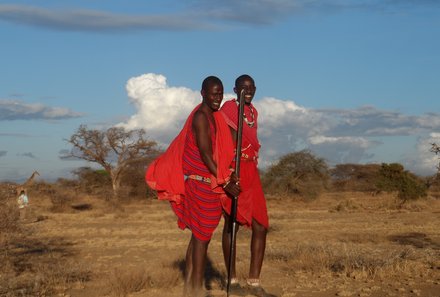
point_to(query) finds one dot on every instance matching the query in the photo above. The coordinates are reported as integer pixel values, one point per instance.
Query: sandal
(254, 288)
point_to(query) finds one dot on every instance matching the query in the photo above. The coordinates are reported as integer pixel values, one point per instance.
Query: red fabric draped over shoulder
(230, 111)
(165, 174)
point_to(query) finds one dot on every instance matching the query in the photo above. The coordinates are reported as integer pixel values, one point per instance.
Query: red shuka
(166, 173)
(251, 202)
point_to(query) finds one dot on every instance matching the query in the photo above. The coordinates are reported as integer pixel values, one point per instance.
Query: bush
(93, 182)
(299, 173)
(98, 182)
(9, 216)
(355, 177)
(393, 177)
(133, 182)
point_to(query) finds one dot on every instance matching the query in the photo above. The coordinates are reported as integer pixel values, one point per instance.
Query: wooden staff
(233, 216)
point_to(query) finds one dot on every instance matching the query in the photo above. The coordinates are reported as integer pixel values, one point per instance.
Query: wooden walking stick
(233, 216)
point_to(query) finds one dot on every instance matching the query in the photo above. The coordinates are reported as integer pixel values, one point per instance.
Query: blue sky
(354, 81)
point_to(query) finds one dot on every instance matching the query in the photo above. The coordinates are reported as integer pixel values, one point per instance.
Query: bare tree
(115, 149)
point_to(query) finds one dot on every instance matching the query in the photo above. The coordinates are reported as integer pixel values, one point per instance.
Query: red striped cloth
(196, 203)
(165, 174)
(201, 209)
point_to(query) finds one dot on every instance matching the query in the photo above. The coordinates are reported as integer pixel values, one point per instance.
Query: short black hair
(242, 78)
(210, 80)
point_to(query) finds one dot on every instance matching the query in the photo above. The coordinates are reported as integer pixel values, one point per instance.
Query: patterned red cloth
(251, 202)
(196, 203)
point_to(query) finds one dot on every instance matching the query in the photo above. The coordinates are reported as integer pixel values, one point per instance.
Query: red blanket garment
(251, 202)
(165, 174)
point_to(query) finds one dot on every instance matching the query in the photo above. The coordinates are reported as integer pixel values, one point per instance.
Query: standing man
(251, 209)
(193, 174)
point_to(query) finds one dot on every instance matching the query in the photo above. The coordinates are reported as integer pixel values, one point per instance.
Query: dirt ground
(343, 244)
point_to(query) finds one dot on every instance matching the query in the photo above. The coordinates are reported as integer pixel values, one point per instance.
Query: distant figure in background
(23, 202)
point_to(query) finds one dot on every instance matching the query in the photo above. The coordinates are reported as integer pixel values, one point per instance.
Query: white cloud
(424, 162)
(321, 139)
(338, 136)
(429, 121)
(19, 110)
(161, 109)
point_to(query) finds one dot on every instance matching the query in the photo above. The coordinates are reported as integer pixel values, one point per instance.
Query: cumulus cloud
(424, 161)
(161, 109)
(18, 110)
(339, 136)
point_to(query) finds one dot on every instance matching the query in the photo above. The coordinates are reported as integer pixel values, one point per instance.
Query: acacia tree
(300, 173)
(115, 149)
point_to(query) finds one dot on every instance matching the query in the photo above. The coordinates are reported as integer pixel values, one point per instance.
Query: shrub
(98, 182)
(355, 177)
(299, 173)
(94, 182)
(393, 177)
(9, 216)
(133, 181)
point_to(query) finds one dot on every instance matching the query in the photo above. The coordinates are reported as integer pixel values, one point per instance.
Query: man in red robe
(251, 207)
(193, 174)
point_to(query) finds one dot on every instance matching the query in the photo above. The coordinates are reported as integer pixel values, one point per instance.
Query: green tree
(299, 173)
(393, 177)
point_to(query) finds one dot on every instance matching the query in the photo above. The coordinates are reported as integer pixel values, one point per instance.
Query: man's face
(249, 90)
(213, 96)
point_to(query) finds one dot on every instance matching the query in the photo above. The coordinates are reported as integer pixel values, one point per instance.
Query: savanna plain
(340, 244)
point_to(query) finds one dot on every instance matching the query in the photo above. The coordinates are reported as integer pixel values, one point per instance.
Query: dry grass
(31, 265)
(34, 268)
(344, 244)
(123, 282)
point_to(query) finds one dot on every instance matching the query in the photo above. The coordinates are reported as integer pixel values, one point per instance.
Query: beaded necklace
(250, 123)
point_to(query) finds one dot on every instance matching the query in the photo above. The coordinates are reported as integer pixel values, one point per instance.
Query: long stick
(233, 216)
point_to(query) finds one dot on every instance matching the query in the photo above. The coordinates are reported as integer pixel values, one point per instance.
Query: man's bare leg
(188, 269)
(258, 247)
(199, 254)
